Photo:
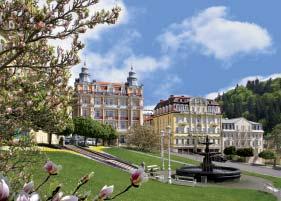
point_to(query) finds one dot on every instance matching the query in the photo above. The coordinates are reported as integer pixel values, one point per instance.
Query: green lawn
(75, 166)
(138, 157)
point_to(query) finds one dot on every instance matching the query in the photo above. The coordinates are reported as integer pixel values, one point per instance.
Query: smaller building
(147, 117)
(242, 133)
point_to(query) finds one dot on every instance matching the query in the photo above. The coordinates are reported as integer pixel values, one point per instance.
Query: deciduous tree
(143, 138)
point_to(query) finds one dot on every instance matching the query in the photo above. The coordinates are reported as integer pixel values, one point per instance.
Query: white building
(241, 133)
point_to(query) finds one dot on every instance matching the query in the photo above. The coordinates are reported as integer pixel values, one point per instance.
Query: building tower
(84, 75)
(132, 79)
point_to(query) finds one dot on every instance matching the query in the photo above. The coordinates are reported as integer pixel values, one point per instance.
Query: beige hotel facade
(117, 104)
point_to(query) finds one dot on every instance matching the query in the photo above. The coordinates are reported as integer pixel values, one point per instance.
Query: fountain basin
(218, 174)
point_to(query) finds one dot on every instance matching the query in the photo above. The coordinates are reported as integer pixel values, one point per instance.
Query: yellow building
(117, 104)
(191, 120)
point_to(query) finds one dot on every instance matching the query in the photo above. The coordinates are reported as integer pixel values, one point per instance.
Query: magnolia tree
(33, 74)
(27, 27)
(29, 191)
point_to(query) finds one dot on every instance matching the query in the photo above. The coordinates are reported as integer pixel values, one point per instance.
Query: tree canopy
(143, 138)
(257, 101)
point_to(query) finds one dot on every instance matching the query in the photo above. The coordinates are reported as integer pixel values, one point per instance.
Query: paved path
(175, 161)
(242, 166)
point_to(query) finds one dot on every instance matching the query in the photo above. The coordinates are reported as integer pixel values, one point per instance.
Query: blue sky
(181, 47)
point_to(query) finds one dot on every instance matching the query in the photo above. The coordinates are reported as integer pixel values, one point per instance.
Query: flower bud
(4, 190)
(52, 168)
(28, 187)
(106, 192)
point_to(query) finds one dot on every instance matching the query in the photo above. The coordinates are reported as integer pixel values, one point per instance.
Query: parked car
(218, 158)
(90, 142)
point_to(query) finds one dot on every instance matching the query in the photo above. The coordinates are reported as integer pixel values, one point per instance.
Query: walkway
(242, 166)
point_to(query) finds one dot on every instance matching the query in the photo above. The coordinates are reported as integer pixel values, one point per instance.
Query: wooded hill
(257, 101)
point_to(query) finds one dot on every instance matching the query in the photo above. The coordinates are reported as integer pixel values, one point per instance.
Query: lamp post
(169, 154)
(162, 149)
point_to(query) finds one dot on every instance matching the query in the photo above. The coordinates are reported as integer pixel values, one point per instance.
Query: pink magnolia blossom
(58, 196)
(28, 187)
(23, 196)
(138, 177)
(4, 190)
(9, 110)
(105, 192)
(29, 103)
(69, 198)
(52, 168)
(40, 25)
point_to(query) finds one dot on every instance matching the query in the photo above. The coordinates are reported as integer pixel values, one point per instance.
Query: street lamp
(168, 128)
(162, 149)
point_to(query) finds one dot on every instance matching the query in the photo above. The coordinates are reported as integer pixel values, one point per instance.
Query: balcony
(136, 118)
(98, 117)
(109, 118)
(123, 118)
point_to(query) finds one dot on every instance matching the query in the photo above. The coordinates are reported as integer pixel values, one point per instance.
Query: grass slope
(138, 157)
(75, 166)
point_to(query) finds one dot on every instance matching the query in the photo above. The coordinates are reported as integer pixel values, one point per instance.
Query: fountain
(208, 169)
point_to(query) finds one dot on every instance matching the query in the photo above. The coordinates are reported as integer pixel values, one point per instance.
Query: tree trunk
(274, 162)
(97, 141)
(50, 138)
(85, 139)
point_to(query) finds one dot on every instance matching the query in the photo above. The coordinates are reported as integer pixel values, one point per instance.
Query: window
(109, 101)
(123, 113)
(97, 113)
(135, 114)
(123, 125)
(177, 141)
(85, 87)
(109, 113)
(84, 112)
(97, 101)
(123, 102)
(182, 141)
(85, 100)
(135, 102)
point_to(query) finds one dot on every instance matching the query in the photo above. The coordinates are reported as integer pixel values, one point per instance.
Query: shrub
(230, 150)
(245, 152)
(267, 154)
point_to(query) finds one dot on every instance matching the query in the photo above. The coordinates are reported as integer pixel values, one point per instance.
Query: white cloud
(212, 33)
(149, 107)
(165, 88)
(243, 82)
(123, 18)
(115, 64)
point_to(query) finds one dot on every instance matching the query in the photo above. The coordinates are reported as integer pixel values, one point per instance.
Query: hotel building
(191, 120)
(117, 104)
(241, 133)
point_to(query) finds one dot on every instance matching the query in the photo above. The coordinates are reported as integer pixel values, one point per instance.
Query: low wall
(42, 137)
